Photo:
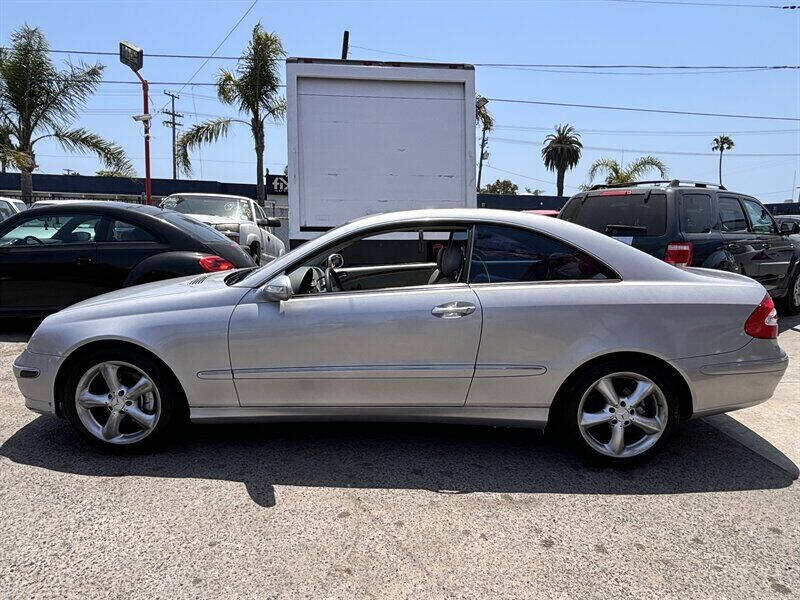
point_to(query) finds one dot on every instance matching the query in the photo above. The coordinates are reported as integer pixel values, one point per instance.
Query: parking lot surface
(333, 510)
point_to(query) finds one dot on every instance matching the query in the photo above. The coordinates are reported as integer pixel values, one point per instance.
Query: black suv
(695, 224)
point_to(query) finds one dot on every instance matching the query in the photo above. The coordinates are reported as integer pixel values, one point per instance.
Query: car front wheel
(121, 401)
(791, 303)
(621, 413)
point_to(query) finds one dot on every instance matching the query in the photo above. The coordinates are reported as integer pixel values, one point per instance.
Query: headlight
(227, 227)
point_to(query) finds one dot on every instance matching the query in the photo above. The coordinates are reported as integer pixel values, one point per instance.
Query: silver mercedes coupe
(478, 316)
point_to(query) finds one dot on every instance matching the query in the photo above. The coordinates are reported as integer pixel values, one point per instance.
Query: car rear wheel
(621, 413)
(791, 303)
(122, 401)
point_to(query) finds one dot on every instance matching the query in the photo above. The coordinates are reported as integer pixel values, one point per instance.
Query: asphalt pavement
(400, 511)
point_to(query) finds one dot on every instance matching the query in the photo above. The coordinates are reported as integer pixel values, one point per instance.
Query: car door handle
(453, 310)
(83, 260)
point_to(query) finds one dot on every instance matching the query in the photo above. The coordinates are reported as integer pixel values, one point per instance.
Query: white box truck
(369, 137)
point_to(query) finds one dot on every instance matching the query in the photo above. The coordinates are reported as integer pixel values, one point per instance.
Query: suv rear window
(627, 214)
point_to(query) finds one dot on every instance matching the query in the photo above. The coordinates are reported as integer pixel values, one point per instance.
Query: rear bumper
(35, 374)
(734, 380)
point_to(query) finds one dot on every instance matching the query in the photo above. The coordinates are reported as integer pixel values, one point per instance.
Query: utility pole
(173, 124)
(345, 44)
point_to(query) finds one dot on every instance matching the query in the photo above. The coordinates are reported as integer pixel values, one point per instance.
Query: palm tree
(721, 144)
(39, 102)
(617, 173)
(562, 151)
(253, 89)
(485, 120)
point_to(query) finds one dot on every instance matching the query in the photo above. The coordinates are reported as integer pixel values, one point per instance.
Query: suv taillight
(763, 322)
(215, 263)
(679, 254)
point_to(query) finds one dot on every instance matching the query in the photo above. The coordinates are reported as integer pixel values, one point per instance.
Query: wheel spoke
(591, 419)
(109, 373)
(648, 425)
(642, 391)
(606, 387)
(617, 442)
(142, 386)
(147, 421)
(88, 400)
(111, 428)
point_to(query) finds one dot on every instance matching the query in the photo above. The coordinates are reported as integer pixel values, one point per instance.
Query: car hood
(161, 301)
(212, 219)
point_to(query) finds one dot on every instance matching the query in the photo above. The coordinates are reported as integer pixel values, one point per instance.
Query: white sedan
(440, 315)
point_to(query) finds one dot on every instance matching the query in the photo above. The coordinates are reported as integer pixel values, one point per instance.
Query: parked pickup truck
(240, 218)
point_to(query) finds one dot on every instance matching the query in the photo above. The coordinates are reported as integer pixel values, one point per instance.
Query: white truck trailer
(369, 137)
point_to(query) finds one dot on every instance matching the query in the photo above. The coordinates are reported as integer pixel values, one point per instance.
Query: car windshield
(216, 206)
(619, 213)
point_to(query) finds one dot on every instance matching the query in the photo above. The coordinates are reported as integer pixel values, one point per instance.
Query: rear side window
(760, 219)
(120, 231)
(503, 254)
(731, 215)
(697, 215)
(623, 214)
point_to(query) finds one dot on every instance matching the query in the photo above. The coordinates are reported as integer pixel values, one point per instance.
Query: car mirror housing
(269, 222)
(277, 289)
(790, 227)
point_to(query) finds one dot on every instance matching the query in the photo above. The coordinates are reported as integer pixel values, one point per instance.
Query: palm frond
(722, 143)
(642, 165)
(81, 141)
(609, 166)
(562, 149)
(197, 135)
(18, 160)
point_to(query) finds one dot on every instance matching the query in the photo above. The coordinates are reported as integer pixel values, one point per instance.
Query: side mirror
(277, 289)
(268, 222)
(790, 227)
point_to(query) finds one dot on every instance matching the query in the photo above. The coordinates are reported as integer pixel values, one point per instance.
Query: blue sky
(573, 32)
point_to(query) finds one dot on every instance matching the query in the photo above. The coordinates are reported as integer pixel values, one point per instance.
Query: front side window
(503, 254)
(120, 231)
(731, 215)
(244, 211)
(697, 215)
(53, 230)
(390, 259)
(760, 219)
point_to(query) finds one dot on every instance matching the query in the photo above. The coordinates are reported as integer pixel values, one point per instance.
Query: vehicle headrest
(449, 260)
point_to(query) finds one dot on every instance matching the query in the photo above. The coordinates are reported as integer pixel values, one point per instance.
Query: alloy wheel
(796, 291)
(622, 415)
(117, 402)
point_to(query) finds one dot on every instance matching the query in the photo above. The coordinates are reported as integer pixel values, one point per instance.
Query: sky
(543, 32)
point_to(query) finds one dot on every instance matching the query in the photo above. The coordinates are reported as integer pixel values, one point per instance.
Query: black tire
(255, 252)
(583, 383)
(171, 399)
(790, 304)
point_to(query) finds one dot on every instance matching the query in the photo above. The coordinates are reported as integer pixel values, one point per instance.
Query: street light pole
(479, 104)
(133, 57)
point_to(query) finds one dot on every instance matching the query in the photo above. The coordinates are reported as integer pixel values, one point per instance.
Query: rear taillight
(215, 263)
(763, 322)
(679, 254)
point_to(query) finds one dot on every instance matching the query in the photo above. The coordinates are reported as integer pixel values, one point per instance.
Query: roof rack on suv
(670, 182)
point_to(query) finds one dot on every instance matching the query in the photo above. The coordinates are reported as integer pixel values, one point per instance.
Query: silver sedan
(475, 316)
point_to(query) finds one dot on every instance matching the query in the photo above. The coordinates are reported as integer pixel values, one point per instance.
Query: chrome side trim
(532, 417)
(357, 372)
(509, 370)
(747, 366)
(215, 374)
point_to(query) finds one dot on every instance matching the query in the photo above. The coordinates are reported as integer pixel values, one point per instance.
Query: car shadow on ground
(446, 459)
(786, 323)
(16, 330)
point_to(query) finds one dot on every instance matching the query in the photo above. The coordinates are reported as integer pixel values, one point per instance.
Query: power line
(645, 110)
(661, 132)
(225, 39)
(714, 4)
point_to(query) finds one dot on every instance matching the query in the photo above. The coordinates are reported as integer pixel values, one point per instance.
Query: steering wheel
(333, 282)
(31, 237)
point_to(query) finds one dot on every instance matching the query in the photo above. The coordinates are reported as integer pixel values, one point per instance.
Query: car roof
(102, 206)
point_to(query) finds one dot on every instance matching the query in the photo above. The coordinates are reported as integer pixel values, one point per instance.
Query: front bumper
(734, 380)
(35, 374)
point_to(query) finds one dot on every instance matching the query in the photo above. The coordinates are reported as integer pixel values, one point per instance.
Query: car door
(124, 245)
(48, 262)
(743, 246)
(400, 346)
(537, 296)
(776, 252)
